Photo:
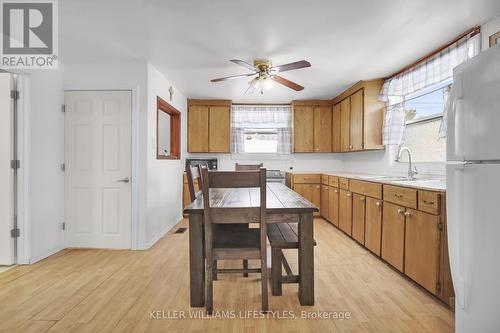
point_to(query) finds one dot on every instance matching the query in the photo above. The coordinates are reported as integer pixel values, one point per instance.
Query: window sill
(260, 156)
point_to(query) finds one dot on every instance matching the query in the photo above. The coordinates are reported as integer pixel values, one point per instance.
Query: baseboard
(45, 255)
(149, 244)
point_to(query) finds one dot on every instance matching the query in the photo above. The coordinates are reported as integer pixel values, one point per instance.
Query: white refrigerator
(473, 192)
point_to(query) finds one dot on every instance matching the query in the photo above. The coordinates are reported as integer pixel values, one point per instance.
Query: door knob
(124, 180)
(407, 214)
(378, 203)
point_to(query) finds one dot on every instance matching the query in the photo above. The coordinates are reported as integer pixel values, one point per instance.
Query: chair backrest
(193, 173)
(247, 167)
(234, 180)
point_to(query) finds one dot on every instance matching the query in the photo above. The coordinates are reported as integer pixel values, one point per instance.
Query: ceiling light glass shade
(267, 83)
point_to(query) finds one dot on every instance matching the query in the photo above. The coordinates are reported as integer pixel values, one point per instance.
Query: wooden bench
(282, 236)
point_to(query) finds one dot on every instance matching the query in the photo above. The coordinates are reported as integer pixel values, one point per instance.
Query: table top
(279, 199)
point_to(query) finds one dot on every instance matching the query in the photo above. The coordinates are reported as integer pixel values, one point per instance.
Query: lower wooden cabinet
(422, 240)
(311, 192)
(345, 211)
(373, 225)
(333, 205)
(324, 209)
(393, 235)
(358, 217)
(406, 230)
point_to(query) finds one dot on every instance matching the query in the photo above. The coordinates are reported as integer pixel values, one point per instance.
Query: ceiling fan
(266, 75)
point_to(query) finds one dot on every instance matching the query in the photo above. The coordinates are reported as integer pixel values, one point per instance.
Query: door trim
(134, 241)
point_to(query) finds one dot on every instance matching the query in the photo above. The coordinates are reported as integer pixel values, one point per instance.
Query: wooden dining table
(283, 205)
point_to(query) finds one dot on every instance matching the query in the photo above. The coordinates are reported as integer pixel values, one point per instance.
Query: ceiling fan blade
(288, 83)
(232, 77)
(291, 66)
(244, 64)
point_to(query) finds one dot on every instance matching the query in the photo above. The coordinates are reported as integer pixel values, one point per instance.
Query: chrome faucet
(412, 171)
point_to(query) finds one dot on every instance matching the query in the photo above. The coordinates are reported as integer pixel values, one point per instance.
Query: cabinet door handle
(362, 198)
(378, 204)
(348, 194)
(399, 196)
(400, 211)
(317, 186)
(428, 202)
(407, 214)
(336, 191)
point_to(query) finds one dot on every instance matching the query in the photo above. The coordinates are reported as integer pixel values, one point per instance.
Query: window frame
(428, 90)
(175, 129)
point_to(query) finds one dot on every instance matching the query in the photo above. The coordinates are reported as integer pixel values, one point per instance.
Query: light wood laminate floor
(105, 290)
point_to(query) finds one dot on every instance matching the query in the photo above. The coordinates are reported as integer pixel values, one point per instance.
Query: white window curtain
(432, 71)
(261, 116)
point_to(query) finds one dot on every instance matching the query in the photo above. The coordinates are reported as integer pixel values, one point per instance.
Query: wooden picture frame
(495, 39)
(175, 130)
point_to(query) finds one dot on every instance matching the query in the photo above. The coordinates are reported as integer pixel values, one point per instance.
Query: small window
(423, 117)
(259, 140)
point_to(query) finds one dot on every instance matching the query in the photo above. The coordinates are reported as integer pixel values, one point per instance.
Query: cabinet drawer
(344, 183)
(324, 179)
(401, 195)
(429, 202)
(333, 181)
(366, 188)
(307, 179)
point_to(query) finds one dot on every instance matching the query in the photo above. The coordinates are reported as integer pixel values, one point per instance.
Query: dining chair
(194, 180)
(247, 167)
(230, 244)
(193, 174)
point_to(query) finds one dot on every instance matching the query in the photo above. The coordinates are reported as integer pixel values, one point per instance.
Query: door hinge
(438, 286)
(63, 226)
(15, 233)
(15, 164)
(63, 108)
(63, 167)
(440, 226)
(14, 94)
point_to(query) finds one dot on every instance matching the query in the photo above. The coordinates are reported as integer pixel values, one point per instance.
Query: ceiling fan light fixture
(268, 83)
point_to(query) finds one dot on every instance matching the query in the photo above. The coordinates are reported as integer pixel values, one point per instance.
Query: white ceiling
(191, 41)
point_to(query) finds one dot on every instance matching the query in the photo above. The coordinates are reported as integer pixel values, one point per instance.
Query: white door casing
(98, 160)
(6, 172)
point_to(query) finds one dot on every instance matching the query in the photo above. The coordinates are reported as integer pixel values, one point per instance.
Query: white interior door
(98, 153)
(6, 172)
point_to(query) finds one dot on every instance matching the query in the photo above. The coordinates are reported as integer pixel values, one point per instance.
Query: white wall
(46, 154)
(164, 177)
(488, 29)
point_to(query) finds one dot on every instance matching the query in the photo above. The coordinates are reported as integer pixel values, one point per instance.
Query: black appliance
(210, 162)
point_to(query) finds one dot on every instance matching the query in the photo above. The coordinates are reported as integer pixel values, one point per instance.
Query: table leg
(306, 259)
(196, 261)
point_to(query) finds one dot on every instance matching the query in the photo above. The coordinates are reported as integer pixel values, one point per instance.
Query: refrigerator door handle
(456, 228)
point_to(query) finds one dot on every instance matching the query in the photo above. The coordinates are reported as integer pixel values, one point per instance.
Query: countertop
(418, 183)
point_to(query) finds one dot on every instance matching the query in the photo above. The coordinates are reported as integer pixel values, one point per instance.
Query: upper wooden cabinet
(323, 129)
(361, 116)
(219, 129)
(345, 124)
(312, 126)
(336, 130)
(198, 128)
(209, 126)
(303, 124)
